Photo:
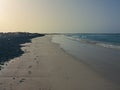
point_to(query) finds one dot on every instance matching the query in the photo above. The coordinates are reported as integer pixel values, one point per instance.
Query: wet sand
(105, 61)
(45, 66)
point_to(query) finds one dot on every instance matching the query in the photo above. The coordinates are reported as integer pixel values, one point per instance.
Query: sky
(60, 16)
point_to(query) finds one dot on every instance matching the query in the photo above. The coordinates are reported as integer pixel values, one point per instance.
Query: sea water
(100, 52)
(105, 40)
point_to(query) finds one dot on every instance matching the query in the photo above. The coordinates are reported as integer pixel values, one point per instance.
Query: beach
(103, 59)
(45, 66)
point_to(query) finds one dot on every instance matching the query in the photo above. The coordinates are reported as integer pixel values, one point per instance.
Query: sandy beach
(45, 66)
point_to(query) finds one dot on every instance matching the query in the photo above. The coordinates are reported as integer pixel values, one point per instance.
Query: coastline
(11, 43)
(45, 66)
(104, 61)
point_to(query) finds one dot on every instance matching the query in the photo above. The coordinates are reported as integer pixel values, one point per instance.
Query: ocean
(105, 40)
(100, 52)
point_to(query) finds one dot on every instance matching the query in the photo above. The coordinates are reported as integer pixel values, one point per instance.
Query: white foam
(106, 45)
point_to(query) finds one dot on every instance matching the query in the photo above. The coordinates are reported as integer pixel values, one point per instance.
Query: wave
(98, 43)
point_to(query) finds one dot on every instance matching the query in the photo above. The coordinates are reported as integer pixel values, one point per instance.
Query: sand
(45, 66)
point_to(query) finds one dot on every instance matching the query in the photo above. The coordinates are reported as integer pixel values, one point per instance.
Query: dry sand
(45, 66)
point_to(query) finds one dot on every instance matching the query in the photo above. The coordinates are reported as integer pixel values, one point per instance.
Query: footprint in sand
(22, 80)
(30, 66)
(37, 62)
(29, 72)
(37, 56)
(13, 78)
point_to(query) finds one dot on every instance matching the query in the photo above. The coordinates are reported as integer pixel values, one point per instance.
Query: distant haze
(60, 16)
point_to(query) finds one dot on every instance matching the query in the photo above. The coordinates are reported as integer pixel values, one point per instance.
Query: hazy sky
(60, 15)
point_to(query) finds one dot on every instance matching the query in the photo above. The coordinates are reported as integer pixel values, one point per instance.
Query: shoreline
(101, 60)
(45, 66)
